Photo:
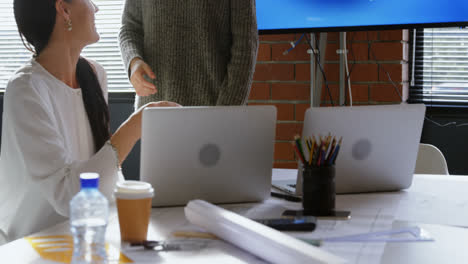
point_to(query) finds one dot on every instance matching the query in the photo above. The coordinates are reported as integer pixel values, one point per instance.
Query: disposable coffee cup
(133, 200)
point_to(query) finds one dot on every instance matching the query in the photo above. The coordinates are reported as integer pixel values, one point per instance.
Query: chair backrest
(430, 160)
(3, 238)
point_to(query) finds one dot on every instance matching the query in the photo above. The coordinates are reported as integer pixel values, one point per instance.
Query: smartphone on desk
(334, 215)
(300, 223)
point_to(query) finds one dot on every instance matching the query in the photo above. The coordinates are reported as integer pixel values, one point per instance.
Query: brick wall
(284, 80)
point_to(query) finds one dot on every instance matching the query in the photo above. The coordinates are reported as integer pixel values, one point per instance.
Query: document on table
(164, 221)
(253, 237)
(369, 213)
(421, 205)
(212, 251)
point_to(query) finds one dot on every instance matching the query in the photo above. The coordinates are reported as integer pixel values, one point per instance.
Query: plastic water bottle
(89, 210)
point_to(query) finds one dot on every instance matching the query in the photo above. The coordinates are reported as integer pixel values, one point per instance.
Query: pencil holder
(318, 190)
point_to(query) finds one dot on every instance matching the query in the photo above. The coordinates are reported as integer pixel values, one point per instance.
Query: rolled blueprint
(253, 237)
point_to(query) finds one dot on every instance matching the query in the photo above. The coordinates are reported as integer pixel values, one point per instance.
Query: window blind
(107, 52)
(439, 75)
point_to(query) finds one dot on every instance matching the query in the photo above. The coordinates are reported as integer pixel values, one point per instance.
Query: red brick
(303, 72)
(394, 70)
(287, 131)
(279, 37)
(334, 90)
(333, 36)
(391, 34)
(260, 91)
(284, 151)
(273, 71)
(285, 165)
(362, 35)
(332, 72)
(300, 111)
(285, 112)
(299, 53)
(358, 52)
(264, 52)
(387, 51)
(365, 73)
(360, 93)
(290, 91)
(384, 93)
(330, 53)
(298, 35)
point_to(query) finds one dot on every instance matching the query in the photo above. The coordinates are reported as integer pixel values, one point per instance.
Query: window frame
(110, 11)
(416, 95)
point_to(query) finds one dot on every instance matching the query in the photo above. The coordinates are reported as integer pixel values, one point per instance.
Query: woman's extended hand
(138, 69)
(130, 131)
(138, 113)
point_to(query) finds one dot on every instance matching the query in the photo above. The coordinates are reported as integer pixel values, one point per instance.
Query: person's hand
(138, 69)
(136, 116)
(138, 113)
(130, 131)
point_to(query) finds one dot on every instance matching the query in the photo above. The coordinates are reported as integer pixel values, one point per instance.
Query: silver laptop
(379, 148)
(218, 154)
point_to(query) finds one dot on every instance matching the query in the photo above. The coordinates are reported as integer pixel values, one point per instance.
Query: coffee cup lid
(133, 190)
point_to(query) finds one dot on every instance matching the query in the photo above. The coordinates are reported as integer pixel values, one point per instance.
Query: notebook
(379, 148)
(221, 154)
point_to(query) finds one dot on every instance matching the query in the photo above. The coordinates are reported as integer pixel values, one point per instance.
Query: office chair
(3, 238)
(430, 160)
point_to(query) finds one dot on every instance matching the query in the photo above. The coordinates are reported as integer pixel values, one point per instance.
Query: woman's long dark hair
(36, 21)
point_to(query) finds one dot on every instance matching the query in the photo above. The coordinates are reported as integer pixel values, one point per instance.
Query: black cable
(388, 75)
(446, 124)
(317, 60)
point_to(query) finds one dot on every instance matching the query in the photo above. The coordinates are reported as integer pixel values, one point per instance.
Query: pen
(287, 197)
(283, 189)
(313, 242)
(298, 140)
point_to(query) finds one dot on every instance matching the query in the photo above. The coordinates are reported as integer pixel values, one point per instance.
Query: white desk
(422, 204)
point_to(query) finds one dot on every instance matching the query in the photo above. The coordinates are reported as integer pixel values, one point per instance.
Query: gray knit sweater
(202, 52)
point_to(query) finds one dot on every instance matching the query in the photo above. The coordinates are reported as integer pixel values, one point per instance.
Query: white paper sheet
(445, 204)
(216, 251)
(253, 237)
(369, 213)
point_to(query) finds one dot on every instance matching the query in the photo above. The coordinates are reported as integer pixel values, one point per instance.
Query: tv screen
(282, 16)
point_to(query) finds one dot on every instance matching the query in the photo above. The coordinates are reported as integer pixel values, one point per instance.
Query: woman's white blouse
(46, 143)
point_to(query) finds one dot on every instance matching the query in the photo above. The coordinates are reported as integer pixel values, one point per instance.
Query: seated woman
(56, 119)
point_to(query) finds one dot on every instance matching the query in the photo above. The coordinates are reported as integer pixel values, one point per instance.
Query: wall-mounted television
(288, 16)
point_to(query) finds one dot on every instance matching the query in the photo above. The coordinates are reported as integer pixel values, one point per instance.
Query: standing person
(193, 52)
(56, 119)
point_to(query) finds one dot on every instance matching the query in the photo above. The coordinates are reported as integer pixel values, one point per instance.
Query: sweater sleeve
(40, 148)
(236, 85)
(131, 34)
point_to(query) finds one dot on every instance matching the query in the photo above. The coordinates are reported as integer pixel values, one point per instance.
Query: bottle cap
(89, 180)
